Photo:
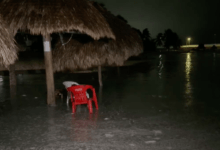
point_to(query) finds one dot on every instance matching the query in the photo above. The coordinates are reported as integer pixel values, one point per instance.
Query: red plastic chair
(78, 97)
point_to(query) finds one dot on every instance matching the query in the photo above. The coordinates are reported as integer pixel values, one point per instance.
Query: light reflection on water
(160, 66)
(188, 88)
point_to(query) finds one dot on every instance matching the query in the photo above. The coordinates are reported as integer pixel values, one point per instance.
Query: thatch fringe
(8, 49)
(49, 16)
(77, 55)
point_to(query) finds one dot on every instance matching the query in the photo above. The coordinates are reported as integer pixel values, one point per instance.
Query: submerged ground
(169, 102)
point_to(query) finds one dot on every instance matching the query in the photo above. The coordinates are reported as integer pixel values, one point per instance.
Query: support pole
(13, 82)
(49, 71)
(100, 75)
(12, 75)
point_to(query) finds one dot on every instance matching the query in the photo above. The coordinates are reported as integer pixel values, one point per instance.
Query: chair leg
(95, 99)
(96, 104)
(90, 106)
(67, 98)
(73, 107)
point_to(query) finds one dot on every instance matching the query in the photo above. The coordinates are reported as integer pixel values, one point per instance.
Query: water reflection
(188, 92)
(160, 66)
(82, 128)
(1, 78)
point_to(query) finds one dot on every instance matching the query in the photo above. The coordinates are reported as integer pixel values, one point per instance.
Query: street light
(189, 39)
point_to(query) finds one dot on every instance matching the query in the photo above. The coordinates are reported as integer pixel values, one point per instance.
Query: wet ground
(169, 102)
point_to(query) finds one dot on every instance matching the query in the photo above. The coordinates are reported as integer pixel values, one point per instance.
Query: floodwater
(169, 102)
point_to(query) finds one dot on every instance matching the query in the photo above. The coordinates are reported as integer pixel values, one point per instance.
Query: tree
(171, 38)
(146, 35)
(146, 39)
(159, 39)
(168, 38)
(213, 48)
(175, 41)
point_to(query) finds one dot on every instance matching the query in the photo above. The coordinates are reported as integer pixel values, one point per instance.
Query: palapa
(8, 49)
(44, 17)
(48, 16)
(77, 55)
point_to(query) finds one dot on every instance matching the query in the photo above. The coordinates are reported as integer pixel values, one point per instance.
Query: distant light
(188, 40)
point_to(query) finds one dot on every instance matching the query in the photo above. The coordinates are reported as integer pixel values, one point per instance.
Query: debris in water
(157, 132)
(106, 119)
(24, 95)
(109, 135)
(35, 97)
(132, 144)
(150, 142)
(124, 118)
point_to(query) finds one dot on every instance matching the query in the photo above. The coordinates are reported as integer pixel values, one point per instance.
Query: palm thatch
(8, 49)
(78, 55)
(47, 16)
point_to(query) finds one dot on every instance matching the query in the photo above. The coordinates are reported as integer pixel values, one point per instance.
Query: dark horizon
(195, 19)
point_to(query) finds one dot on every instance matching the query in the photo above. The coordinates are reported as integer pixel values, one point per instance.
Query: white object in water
(150, 142)
(109, 135)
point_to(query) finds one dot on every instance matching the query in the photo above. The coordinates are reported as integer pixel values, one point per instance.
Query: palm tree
(146, 39)
(159, 39)
(168, 38)
(146, 35)
(175, 41)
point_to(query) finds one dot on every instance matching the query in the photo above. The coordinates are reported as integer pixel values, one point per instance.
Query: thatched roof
(8, 49)
(77, 55)
(48, 16)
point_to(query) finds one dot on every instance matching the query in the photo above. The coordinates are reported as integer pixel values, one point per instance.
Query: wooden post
(12, 75)
(13, 82)
(49, 71)
(100, 75)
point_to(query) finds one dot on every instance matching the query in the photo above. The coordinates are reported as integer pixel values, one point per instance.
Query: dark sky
(198, 19)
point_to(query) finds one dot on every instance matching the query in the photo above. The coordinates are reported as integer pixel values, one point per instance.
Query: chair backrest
(79, 92)
(69, 83)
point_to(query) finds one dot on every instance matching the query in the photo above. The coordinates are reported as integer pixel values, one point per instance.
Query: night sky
(198, 19)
